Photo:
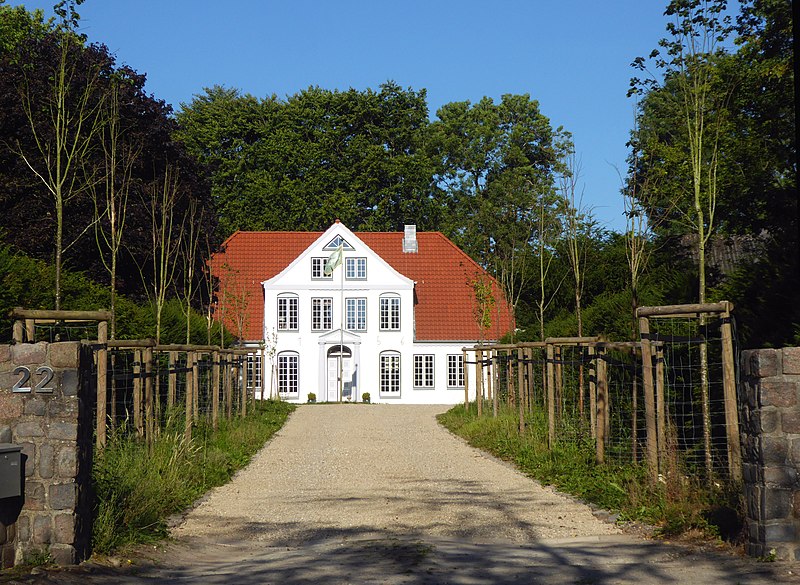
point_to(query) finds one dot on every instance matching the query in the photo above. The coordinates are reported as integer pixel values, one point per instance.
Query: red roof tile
(445, 301)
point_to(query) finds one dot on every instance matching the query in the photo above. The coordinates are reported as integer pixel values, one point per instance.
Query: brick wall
(770, 405)
(54, 429)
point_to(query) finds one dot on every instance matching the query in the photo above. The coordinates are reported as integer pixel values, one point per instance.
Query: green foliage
(138, 489)
(676, 506)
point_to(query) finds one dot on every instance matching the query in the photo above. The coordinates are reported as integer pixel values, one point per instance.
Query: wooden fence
(639, 400)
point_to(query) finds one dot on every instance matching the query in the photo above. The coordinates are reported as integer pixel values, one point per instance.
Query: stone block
(23, 529)
(63, 554)
(744, 363)
(5, 353)
(778, 392)
(68, 381)
(5, 434)
(27, 430)
(791, 360)
(42, 529)
(768, 419)
(64, 529)
(779, 531)
(29, 452)
(764, 363)
(64, 354)
(796, 452)
(34, 496)
(11, 406)
(63, 496)
(777, 504)
(35, 407)
(3, 534)
(29, 353)
(67, 461)
(774, 450)
(66, 407)
(790, 422)
(63, 431)
(780, 476)
(796, 504)
(46, 461)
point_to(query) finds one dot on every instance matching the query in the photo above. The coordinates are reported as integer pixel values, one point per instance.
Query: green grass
(138, 489)
(677, 505)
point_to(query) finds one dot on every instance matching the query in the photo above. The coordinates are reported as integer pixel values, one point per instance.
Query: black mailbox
(11, 470)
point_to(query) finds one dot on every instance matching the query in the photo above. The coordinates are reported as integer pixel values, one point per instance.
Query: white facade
(366, 307)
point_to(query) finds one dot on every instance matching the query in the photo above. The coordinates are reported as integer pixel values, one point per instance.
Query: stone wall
(770, 406)
(53, 426)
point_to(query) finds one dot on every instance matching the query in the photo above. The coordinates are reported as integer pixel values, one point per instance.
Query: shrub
(365, 397)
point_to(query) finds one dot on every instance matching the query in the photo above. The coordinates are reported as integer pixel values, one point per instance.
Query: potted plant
(312, 398)
(365, 398)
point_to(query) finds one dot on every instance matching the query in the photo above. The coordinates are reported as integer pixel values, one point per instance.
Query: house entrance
(337, 354)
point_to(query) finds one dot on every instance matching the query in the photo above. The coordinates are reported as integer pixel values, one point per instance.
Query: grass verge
(677, 505)
(138, 488)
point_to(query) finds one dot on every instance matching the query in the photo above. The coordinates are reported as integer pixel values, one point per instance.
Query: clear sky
(573, 56)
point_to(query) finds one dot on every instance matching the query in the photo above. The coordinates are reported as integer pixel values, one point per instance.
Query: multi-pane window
(318, 269)
(254, 371)
(390, 373)
(423, 371)
(455, 371)
(390, 313)
(288, 373)
(321, 314)
(356, 268)
(287, 313)
(356, 314)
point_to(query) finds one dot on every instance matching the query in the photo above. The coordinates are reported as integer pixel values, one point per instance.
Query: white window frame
(254, 370)
(288, 373)
(455, 371)
(288, 319)
(389, 372)
(356, 314)
(318, 269)
(390, 313)
(356, 268)
(321, 320)
(424, 371)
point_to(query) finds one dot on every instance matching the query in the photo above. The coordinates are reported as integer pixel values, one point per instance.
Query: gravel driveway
(375, 470)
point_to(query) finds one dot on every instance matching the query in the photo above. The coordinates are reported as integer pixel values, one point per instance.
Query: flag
(334, 260)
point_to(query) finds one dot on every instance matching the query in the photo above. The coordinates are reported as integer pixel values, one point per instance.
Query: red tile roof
(445, 301)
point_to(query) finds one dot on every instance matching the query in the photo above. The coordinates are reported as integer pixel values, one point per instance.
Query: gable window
(455, 371)
(288, 312)
(321, 314)
(356, 269)
(390, 313)
(390, 373)
(288, 368)
(336, 242)
(318, 269)
(356, 314)
(423, 371)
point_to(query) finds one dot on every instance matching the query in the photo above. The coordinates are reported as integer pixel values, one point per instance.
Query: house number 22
(22, 385)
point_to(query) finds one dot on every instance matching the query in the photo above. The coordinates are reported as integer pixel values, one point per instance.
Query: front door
(334, 355)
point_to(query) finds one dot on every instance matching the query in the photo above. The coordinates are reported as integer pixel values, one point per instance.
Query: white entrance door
(333, 378)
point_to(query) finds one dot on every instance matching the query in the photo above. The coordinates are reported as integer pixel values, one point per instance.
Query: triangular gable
(338, 232)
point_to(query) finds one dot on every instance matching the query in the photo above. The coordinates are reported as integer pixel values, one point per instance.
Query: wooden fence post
(494, 381)
(195, 386)
(729, 391)
(551, 405)
(147, 358)
(479, 380)
(594, 356)
(649, 399)
(215, 389)
(661, 412)
(102, 383)
(172, 379)
(520, 390)
(189, 394)
(137, 392)
(601, 406)
(241, 376)
(228, 388)
(465, 369)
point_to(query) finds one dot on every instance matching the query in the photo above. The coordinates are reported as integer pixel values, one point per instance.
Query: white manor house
(390, 319)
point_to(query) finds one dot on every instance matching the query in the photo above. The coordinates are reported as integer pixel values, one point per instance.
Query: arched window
(288, 369)
(390, 373)
(288, 312)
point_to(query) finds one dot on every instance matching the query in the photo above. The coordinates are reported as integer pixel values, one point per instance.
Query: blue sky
(572, 56)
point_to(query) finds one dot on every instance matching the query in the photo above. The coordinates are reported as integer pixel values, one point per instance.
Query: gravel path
(370, 471)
